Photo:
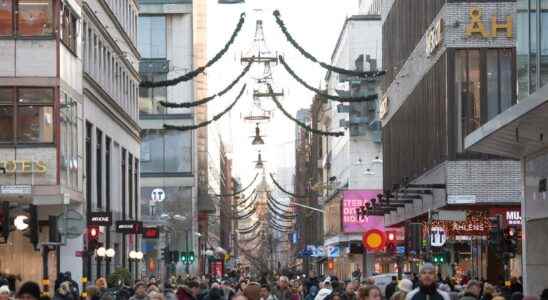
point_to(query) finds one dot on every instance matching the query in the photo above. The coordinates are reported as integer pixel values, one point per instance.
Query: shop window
(35, 115)
(6, 115)
(69, 23)
(6, 17)
(166, 151)
(484, 87)
(152, 36)
(34, 17)
(149, 98)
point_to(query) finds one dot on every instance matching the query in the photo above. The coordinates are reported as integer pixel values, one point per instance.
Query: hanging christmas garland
(303, 125)
(250, 228)
(188, 76)
(209, 98)
(320, 93)
(240, 210)
(206, 123)
(246, 198)
(280, 227)
(279, 210)
(283, 190)
(247, 215)
(248, 240)
(270, 197)
(280, 214)
(294, 43)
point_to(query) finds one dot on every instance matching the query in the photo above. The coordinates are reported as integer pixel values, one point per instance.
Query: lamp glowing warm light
(20, 222)
(101, 251)
(110, 252)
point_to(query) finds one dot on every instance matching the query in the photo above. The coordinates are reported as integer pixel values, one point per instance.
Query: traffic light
(191, 257)
(93, 238)
(495, 231)
(390, 242)
(174, 256)
(32, 222)
(166, 255)
(184, 258)
(439, 258)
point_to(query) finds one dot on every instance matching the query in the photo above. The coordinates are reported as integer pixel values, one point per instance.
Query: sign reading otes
(129, 227)
(24, 166)
(100, 219)
(476, 27)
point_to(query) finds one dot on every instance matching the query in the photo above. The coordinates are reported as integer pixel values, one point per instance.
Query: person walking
(28, 291)
(282, 291)
(140, 291)
(370, 292)
(404, 286)
(427, 289)
(391, 288)
(472, 291)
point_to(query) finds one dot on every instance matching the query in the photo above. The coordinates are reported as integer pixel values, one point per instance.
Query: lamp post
(103, 254)
(135, 256)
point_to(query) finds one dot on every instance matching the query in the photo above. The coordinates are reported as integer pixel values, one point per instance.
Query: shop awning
(520, 131)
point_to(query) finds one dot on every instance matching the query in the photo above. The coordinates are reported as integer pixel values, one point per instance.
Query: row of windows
(166, 151)
(26, 17)
(127, 14)
(69, 28)
(68, 115)
(26, 115)
(107, 68)
(107, 158)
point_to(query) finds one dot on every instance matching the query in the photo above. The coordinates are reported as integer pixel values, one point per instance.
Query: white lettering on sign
(434, 37)
(513, 217)
(99, 219)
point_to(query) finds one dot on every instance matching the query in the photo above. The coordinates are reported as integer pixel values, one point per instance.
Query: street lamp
(21, 222)
(103, 254)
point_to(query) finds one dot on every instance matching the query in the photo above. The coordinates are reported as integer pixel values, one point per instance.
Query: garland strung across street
(188, 76)
(250, 228)
(246, 198)
(206, 123)
(280, 211)
(209, 98)
(285, 191)
(286, 206)
(320, 93)
(247, 215)
(280, 214)
(294, 43)
(239, 210)
(301, 124)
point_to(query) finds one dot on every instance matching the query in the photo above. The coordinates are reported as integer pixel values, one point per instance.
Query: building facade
(518, 132)
(69, 94)
(168, 163)
(449, 69)
(352, 164)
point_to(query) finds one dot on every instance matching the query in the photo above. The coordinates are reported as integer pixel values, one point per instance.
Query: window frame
(72, 41)
(15, 21)
(15, 106)
(12, 15)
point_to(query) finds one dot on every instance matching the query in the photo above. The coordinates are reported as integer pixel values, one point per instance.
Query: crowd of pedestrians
(426, 285)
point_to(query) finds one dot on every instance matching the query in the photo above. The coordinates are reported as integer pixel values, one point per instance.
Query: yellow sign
(477, 27)
(23, 166)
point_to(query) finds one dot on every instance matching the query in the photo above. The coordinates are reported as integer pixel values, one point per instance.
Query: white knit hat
(4, 289)
(405, 285)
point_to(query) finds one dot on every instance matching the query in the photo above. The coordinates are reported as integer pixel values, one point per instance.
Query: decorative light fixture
(368, 171)
(258, 139)
(259, 164)
(110, 253)
(21, 222)
(377, 160)
(132, 254)
(101, 252)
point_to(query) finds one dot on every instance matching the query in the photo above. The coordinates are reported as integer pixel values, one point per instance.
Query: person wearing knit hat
(4, 292)
(427, 286)
(29, 291)
(405, 285)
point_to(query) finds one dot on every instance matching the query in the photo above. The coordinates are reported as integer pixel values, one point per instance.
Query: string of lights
(215, 118)
(293, 42)
(190, 75)
(301, 124)
(320, 93)
(209, 98)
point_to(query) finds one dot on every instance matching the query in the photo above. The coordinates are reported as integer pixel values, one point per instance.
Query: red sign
(151, 233)
(374, 240)
(217, 268)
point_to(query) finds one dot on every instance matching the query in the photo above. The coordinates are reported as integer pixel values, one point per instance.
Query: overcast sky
(316, 25)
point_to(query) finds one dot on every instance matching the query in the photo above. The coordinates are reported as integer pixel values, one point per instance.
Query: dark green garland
(188, 76)
(206, 123)
(370, 74)
(301, 124)
(209, 98)
(320, 93)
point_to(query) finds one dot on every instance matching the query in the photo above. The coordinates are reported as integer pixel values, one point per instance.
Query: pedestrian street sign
(438, 237)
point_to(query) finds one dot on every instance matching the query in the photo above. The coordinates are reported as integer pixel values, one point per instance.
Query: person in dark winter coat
(184, 293)
(28, 291)
(427, 289)
(63, 292)
(473, 291)
(391, 288)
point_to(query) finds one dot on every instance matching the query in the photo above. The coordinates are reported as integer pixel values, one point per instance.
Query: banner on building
(354, 200)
